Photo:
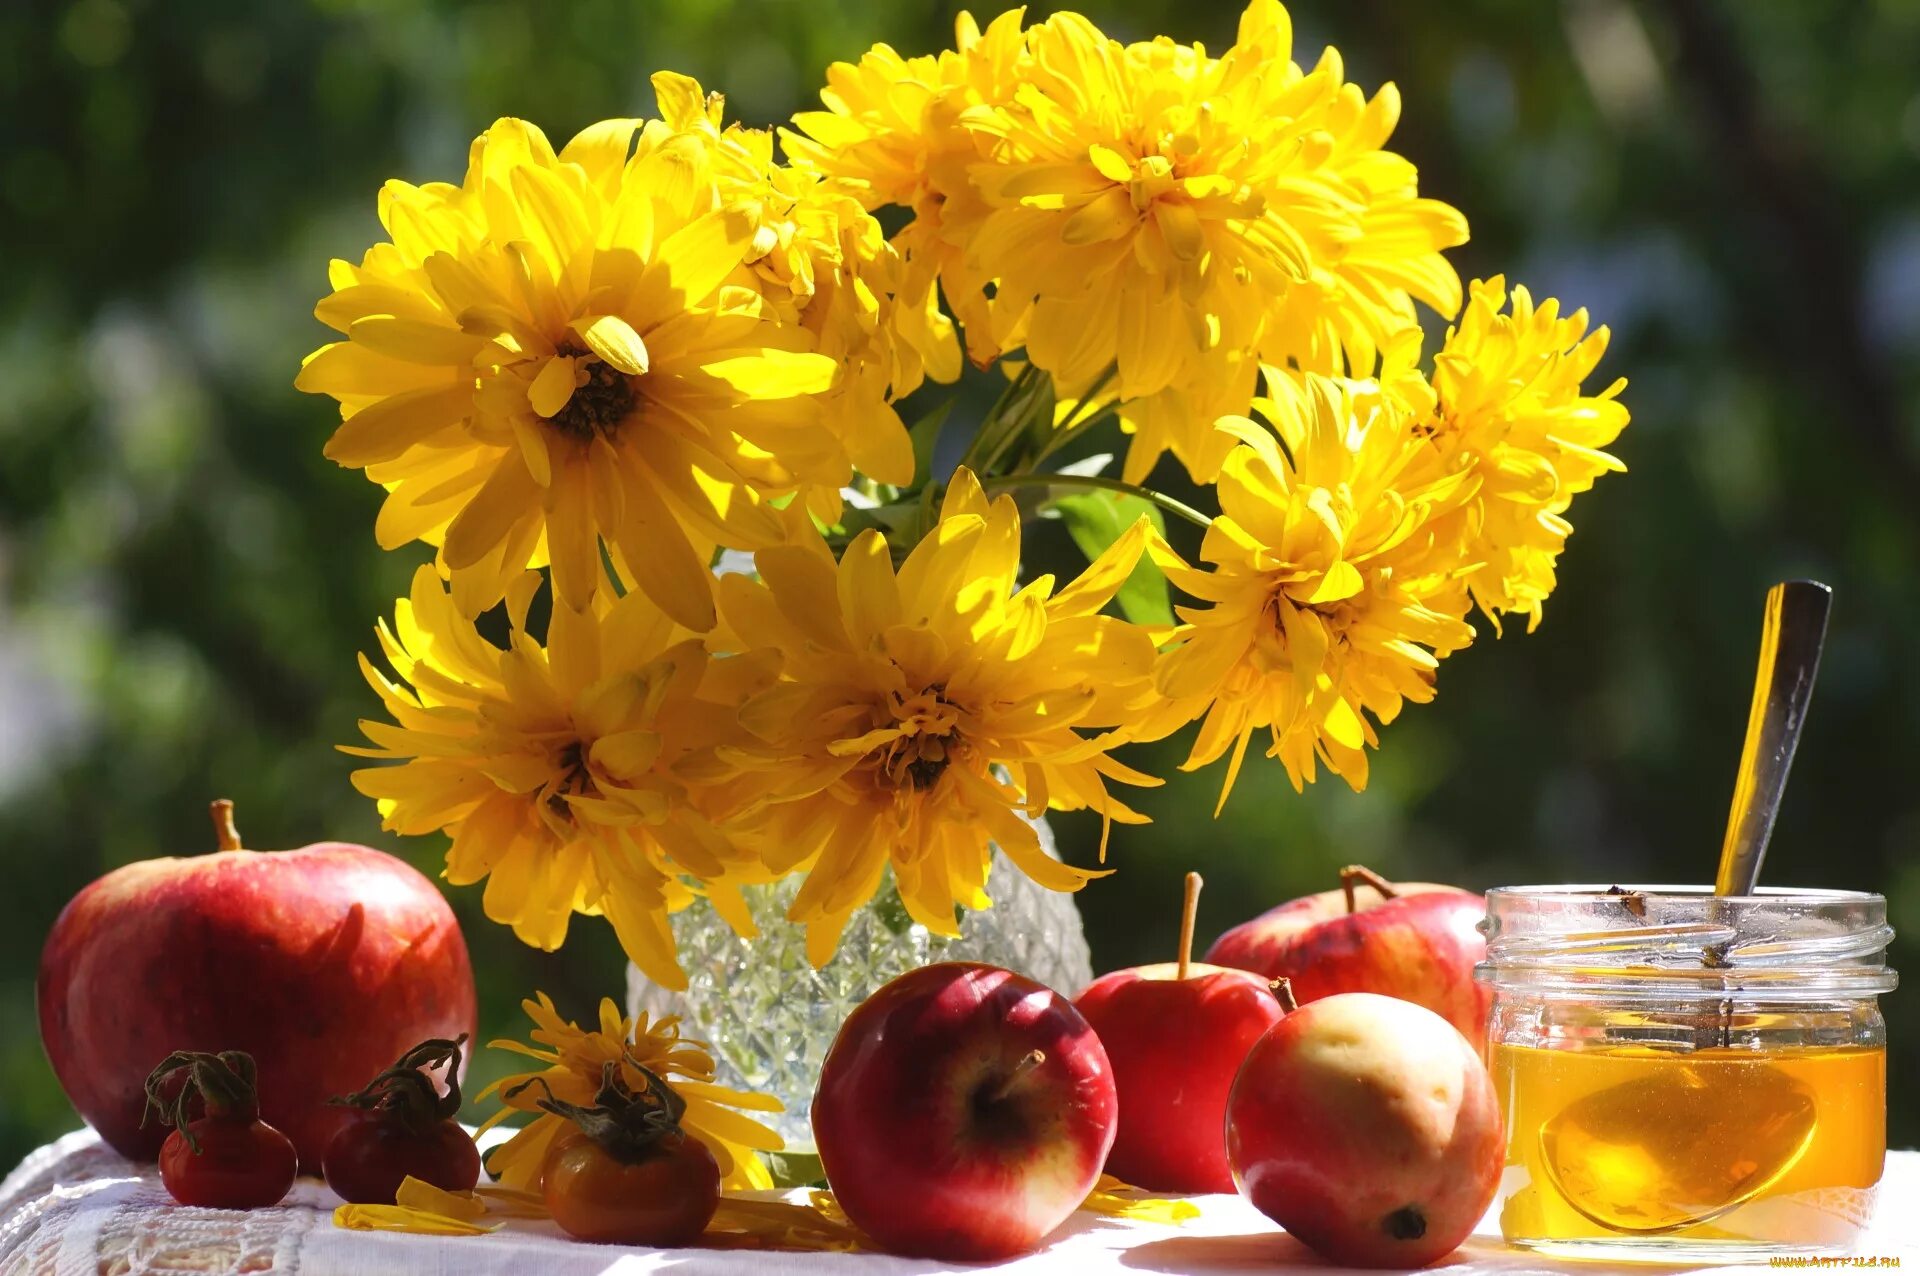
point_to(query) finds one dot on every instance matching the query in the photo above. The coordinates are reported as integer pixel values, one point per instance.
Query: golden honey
(1685, 1076)
(1723, 1146)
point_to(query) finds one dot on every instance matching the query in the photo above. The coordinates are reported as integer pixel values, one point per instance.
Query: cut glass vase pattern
(771, 1016)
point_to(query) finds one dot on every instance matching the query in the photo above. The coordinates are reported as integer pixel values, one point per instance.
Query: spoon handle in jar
(1790, 642)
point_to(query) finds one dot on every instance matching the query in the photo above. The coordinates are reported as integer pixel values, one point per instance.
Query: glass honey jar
(1688, 1077)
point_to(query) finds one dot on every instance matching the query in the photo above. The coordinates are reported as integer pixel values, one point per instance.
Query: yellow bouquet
(586, 375)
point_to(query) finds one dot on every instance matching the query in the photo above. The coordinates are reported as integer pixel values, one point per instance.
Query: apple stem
(1028, 1062)
(1187, 909)
(226, 836)
(1354, 873)
(1282, 989)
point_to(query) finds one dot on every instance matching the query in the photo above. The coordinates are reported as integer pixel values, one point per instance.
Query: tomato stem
(406, 1089)
(1188, 907)
(627, 1123)
(1361, 874)
(227, 1084)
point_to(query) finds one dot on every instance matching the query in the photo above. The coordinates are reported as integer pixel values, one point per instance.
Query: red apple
(1175, 1034)
(325, 964)
(1368, 1128)
(1414, 940)
(963, 1113)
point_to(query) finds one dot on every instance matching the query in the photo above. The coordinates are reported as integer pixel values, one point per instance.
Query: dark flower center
(574, 778)
(598, 407)
(924, 772)
(917, 759)
(1337, 615)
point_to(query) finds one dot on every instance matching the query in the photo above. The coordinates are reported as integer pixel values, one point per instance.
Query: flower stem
(1084, 418)
(1075, 429)
(1052, 479)
(1003, 422)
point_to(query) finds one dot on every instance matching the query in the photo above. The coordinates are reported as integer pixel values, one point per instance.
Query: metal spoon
(1632, 1158)
(1678, 1145)
(1790, 641)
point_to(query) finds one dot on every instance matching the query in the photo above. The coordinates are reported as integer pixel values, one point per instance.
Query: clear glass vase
(771, 1016)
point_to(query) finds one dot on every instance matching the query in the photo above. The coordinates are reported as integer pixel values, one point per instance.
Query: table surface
(75, 1207)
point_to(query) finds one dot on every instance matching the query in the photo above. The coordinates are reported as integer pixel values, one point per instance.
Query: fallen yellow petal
(1105, 1199)
(507, 1202)
(750, 1223)
(417, 1194)
(398, 1218)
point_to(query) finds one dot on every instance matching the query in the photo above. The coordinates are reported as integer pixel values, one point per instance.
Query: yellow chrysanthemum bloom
(822, 262)
(1179, 419)
(1508, 384)
(573, 1059)
(1169, 214)
(548, 354)
(891, 134)
(565, 774)
(1320, 613)
(921, 712)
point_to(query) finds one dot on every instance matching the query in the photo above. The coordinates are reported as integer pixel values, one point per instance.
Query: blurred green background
(184, 579)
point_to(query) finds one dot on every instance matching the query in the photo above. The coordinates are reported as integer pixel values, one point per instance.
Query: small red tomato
(403, 1125)
(229, 1158)
(664, 1199)
(627, 1174)
(239, 1165)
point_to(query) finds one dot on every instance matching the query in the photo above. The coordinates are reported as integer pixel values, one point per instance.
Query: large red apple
(963, 1113)
(325, 964)
(1368, 1128)
(1414, 940)
(1175, 1034)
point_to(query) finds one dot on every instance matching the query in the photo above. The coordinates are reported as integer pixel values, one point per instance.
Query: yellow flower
(891, 134)
(572, 1059)
(548, 354)
(1321, 612)
(1509, 397)
(565, 774)
(1180, 419)
(822, 263)
(922, 712)
(1171, 213)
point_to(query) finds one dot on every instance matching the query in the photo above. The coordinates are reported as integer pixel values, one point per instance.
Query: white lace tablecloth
(75, 1208)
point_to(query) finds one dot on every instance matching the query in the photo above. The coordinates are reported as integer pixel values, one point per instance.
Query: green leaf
(899, 523)
(889, 909)
(795, 1169)
(1095, 519)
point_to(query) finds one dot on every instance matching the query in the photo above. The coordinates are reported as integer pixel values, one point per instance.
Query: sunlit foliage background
(184, 579)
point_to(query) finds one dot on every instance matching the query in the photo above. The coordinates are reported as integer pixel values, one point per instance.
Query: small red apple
(1368, 1128)
(1175, 1034)
(963, 1113)
(325, 964)
(1415, 940)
